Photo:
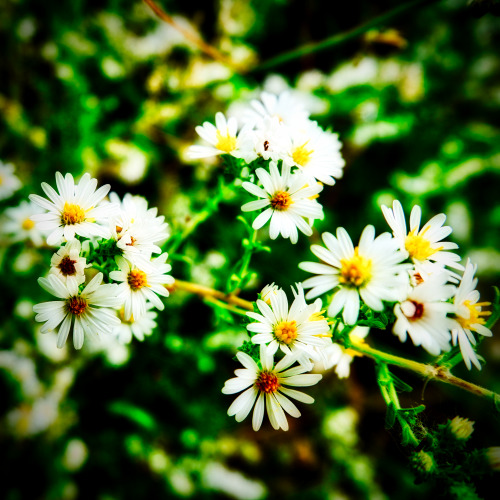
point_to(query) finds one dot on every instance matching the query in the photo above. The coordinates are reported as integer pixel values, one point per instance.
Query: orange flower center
(281, 201)
(137, 279)
(267, 382)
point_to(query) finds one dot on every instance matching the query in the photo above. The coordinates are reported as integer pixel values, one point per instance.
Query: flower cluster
(108, 271)
(290, 156)
(408, 271)
(404, 276)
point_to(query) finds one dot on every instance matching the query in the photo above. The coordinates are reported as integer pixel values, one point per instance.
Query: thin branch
(339, 38)
(206, 48)
(428, 372)
(207, 292)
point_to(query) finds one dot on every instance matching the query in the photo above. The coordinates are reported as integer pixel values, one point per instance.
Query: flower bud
(493, 457)
(461, 428)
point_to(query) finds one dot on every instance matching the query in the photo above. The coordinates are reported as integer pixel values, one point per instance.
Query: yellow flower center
(27, 224)
(419, 247)
(301, 155)
(72, 214)
(226, 143)
(137, 279)
(281, 201)
(76, 305)
(475, 314)
(286, 331)
(356, 271)
(267, 382)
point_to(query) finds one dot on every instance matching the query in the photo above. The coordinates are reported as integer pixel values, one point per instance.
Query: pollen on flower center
(76, 305)
(72, 214)
(281, 201)
(412, 310)
(67, 266)
(301, 155)
(27, 224)
(286, 331)
(475, 314)
(356, 271)
(419, 247)
(137, 279)
(226, 143)
(267, 382)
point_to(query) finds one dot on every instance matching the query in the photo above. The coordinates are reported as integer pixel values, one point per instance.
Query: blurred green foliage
(108, 88)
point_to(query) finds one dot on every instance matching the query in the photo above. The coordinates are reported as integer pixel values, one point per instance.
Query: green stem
(426, 371)
(339, 38)
(390, 396)
(209, 209)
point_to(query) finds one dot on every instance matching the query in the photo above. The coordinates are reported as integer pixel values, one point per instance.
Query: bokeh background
(108, 88)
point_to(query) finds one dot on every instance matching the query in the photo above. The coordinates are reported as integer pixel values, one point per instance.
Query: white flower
(468, 316)
(372, 271)
(9, 183)
(135, 327)
(423, 314)
(82, 313)
(75, 210)
(137, 286)
(316, 153)
(294, 330)
(334, 355)
(423, 246)
(268, 385)
(223, 138)
(68, 266)
(267, 291)
(284, 107)
(137, 229)
(287, 200)
(271, 141)
(19, 226)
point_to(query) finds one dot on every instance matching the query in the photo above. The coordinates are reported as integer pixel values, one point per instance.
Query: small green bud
(424, 461)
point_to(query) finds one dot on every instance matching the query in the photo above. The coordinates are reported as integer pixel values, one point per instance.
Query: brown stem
(209, 50)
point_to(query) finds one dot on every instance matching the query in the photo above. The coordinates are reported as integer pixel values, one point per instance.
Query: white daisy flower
(316, 153)
(335, 355)
(284, 107)
(371, 271)
(469, 316)
(267, 291)
(423, 246)
(9, 183)
(266, 386)
(294, 330)
(137, 229)
(223, 138)
(83, 313)
(136, 327)
(423, 314)
(17, 224)
(137, 286)
(76, 210)
(287, 201)
(67, 264)
(270, 141)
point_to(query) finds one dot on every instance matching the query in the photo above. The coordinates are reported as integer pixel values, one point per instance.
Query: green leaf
(134, 414)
